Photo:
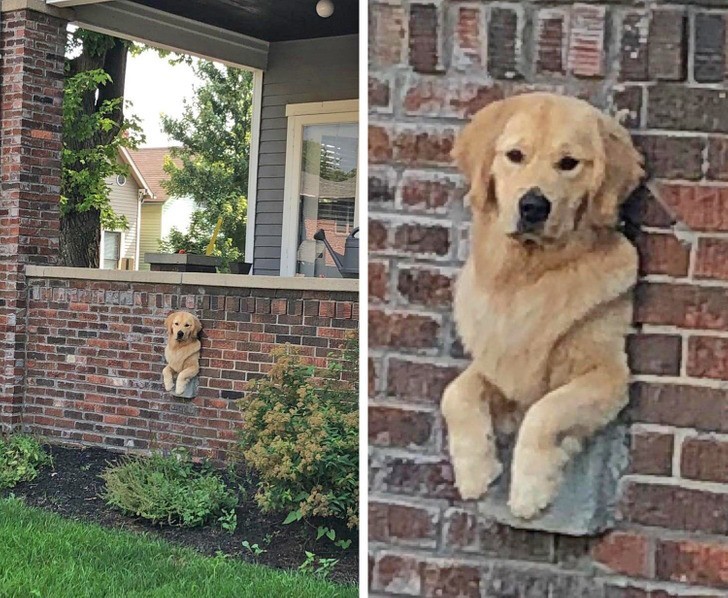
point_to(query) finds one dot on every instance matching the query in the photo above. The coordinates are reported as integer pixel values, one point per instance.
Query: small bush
(301, 434)
(167, 489)
(21, 457)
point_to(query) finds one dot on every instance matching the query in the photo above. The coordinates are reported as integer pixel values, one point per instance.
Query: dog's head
(547, 165)
(182, 326)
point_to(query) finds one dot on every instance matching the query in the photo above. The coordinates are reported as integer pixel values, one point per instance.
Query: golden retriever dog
(543, 302)
(182, 351)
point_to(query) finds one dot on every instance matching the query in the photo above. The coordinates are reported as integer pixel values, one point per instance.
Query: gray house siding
(316, 70)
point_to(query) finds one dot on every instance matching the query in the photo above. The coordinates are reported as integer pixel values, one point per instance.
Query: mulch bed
(72, 487)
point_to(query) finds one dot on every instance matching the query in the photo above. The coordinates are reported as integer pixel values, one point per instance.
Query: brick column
(31, 66)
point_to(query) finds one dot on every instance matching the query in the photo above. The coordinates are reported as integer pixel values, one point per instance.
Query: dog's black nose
(180, 334)
(533, 209)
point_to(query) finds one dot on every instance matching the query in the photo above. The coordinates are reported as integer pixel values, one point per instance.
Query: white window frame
(101, 247)
(300, 115)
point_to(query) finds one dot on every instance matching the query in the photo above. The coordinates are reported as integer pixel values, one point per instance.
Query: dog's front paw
(181, 386)
(168, 385)
(536, 479)
(474, 476)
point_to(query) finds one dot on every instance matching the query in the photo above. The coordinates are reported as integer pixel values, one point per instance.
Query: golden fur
(182, 351)
(543, 314)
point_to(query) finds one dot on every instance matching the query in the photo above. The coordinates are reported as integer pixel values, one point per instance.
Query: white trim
(101, 247)
(253, 154)
(138, 233)
(322, 107)
(344, 285)
(300, 115)
(70, 3)
(133, 21)
(136, 173)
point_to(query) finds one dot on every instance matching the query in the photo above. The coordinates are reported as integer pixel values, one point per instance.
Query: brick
(717, 159)
(651, 453)
(423, 38)
(427, 146)
(623, 552)
(461, 530)
(709, 47)
(395, 573)
(406, 331)
(402, 524)
(382, 185)
(427, 192)
(701, 207)
(422, 239)
(675, 507)
(453, 97)
(678, 107)
(508, 542)
(378, 281)
(386, 34)
(380, 144)
(451, 580)
(400, 475)
(379, 92)
(629, 98)
(707, 357)
(378, 235)
(657, 354)
(687, 561)
(418, 382)
(672, 157)
(633, 47)
(404, 428)
(662, 254)
(680, 405)
(681, 305)
(667, 45)
(711, 261)
(586, 40)
(704, 459)
(425, 287)
(503, 33)
(468, 39)
(550, 36)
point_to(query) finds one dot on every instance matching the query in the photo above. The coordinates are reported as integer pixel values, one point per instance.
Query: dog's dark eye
(568, 163)
(187, 325)
(515, 156)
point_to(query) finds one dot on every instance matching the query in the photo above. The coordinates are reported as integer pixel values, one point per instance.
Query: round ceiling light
(324, 8)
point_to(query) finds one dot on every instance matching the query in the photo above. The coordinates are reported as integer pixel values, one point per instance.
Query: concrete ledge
(240, 281)
(38, 6)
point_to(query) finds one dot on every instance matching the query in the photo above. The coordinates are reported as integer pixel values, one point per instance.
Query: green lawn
(42, 554)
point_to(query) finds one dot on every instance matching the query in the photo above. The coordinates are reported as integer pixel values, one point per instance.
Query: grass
(42, 554)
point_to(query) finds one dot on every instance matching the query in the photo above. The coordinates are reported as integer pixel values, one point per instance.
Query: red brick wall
(95, 354)
(31, 90)
(433, 65)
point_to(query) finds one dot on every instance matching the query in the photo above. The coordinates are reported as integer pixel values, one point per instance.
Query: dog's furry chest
(177, 356)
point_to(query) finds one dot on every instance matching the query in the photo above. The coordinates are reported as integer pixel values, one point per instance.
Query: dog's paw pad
(473, 479)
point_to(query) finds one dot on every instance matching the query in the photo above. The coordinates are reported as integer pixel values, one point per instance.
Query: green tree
(94, 128)
(214, 133)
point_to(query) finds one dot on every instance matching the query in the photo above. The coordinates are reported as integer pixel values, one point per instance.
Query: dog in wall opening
(543, 303)
(182, 351)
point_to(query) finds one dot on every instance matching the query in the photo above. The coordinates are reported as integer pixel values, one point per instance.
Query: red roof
(150, 162)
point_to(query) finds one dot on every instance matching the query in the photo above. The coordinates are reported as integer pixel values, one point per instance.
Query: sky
(154, 86)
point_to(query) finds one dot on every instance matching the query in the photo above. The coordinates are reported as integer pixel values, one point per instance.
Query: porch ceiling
(269, 20)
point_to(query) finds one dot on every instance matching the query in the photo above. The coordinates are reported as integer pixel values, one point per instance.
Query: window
(112, 250)
(321, 186)
(121, 180)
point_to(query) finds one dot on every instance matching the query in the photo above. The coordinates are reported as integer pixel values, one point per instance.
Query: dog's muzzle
(533, 210)
(180, 335)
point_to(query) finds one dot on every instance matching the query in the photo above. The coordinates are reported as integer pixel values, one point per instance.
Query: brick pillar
(31, 66)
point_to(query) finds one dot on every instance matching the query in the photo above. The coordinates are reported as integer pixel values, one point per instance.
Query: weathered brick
(381, 188)
(667, 45)
(378, 281)
(694, 562)
(379, 92)
(633, 48)
(707, 357)
(700, 207)
(662, 254)
(654, 354)
(386, 34)
(623, 552)
(406, 331)
(419, 381)
(503, 57)
(449, 98)
(675, 507)
(396, 573)
(441, 579)
(400, 475)
(427, 146)
(704, 459)
(425, 286)
(709, 47)
(429, 192)
(468, 39)
(509, 542)
(423, 38)
(681, 305)
(717, 159)
(651, 453)
(550, 46)
(422, 239)
(380, 144)
(678, 107)
(461, 530)
(403, 524)
(680, 405)
(672, 157)
(586, 40)
(390, 426)
(378, 235)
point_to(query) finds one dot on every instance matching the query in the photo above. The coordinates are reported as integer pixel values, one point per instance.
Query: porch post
(32, 44)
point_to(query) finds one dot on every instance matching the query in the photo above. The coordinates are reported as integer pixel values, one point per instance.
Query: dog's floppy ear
(474, 150)
(618, 170)
(168, 322)
(197, 326)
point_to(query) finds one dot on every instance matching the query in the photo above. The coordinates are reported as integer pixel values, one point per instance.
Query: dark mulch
(72, 487)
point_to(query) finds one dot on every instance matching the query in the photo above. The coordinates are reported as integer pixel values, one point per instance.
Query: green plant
(300, 432)
(330, 533)
(317, 566)
(253, 548)
(21, 457)
(228, 520)
(168, 489)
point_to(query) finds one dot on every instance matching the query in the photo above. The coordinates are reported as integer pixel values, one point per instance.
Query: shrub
(21, 457)
(167, 489)
(300, 433)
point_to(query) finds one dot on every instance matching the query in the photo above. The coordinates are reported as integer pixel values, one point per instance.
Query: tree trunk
(80, 239)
